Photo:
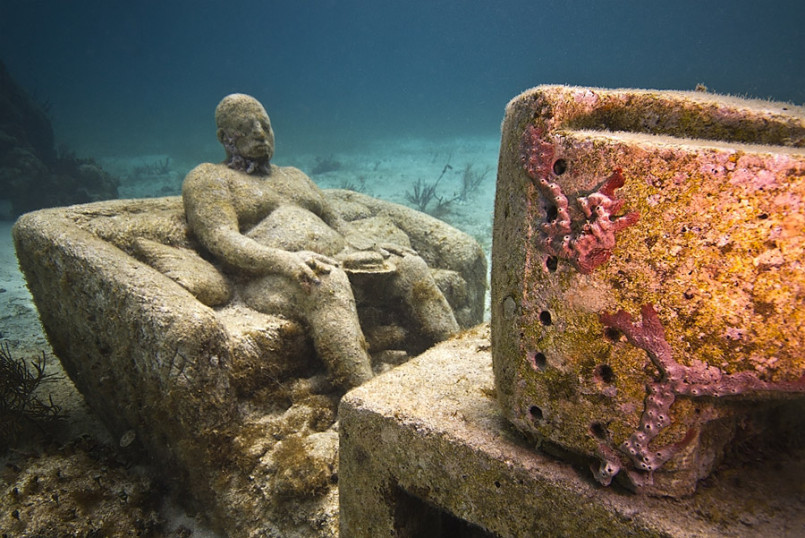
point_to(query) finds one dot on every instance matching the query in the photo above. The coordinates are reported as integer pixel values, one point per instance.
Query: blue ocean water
(134, 77)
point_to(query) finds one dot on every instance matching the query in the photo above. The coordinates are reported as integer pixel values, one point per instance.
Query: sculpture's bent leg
(333, 322)
(328, 310)
(429, 308)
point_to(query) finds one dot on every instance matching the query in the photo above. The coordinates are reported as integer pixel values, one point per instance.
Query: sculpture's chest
(255, 198)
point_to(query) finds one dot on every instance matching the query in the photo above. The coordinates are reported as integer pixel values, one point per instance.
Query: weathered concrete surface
(425, 451)
(648, 243)
(230, 403)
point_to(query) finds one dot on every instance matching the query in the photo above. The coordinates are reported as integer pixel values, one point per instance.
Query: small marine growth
(22, 408)
(151, 169)
(589, 243)
(423, 193)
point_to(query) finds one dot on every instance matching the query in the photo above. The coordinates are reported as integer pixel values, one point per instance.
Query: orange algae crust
(723, 266)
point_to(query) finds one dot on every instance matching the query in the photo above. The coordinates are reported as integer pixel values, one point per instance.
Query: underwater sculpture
(164, 338)
(682, 210)
(274, 225)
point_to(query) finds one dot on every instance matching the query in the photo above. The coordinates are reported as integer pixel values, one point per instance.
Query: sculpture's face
(244, 128)
(254, 138)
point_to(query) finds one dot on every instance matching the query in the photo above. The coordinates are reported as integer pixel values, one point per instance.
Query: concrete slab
(425, 451)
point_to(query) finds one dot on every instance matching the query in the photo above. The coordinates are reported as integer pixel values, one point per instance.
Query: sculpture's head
(245, 131)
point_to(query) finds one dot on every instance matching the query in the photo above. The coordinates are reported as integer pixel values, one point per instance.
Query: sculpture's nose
(258, 131)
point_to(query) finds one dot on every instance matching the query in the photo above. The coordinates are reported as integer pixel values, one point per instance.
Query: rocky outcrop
(32, 173)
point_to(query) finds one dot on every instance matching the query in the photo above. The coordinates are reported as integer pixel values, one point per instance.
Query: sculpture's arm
(353, 237)
(213, 219)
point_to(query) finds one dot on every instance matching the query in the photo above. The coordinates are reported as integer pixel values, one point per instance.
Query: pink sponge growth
(593, 245)
(536, 153)
(697, 380)
(589, 243)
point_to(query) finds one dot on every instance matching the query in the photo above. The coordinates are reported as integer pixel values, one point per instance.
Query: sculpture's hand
(305, 266)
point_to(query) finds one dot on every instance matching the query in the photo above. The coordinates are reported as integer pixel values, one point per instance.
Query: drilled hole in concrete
(551, 262)
(612, 334)
(599, 431)
(559, 167)
(545, 318)
(689, 294)
(536, 412)
(603, 373)
(538, 360)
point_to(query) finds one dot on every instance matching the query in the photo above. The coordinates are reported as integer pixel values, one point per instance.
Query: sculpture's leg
(328, 310)
(336, 331)
(429, 308)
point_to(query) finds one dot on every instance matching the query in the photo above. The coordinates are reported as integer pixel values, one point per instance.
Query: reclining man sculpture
(274, 226)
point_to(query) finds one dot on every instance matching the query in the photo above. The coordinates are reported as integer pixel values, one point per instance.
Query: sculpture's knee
(426, 301)
(336, 331)
(413, 267)
(332, 292)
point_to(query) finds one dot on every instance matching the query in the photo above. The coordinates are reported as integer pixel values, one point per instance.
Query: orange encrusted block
(647, 277)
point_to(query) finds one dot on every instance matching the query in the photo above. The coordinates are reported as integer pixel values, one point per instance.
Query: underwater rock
(221, 397)
(32, 173)
(647, 276)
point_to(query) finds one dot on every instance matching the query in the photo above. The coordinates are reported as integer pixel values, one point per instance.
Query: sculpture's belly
(294, 228)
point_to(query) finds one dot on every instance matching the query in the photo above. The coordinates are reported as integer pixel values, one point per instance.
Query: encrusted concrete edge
(432, 429)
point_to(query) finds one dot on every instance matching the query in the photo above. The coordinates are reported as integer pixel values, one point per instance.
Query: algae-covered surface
(614, 203)
(434, 430)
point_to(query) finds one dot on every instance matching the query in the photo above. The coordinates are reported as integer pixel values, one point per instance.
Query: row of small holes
(559, 168)
(603, 372)
(551, 262)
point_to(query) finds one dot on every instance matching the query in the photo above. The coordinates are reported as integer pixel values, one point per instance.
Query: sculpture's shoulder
(292, 173)
(205, 187)
(206, 182)
(205, 172)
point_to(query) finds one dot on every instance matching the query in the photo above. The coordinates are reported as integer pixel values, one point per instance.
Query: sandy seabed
(44, 484)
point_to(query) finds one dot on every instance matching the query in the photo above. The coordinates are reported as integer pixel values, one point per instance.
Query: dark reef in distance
(33, 174)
